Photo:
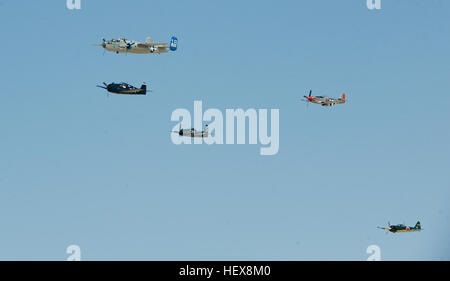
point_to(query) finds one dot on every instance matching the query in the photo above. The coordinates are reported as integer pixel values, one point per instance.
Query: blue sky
(79, 168)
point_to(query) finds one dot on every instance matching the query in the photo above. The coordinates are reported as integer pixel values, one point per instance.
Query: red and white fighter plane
(324, 100)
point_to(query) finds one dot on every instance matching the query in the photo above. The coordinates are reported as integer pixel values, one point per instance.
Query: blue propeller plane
(125, 89)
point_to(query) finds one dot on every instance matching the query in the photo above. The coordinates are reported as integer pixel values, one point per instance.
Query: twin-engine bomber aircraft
(402, 228)
(128, 46)
(192, 132)
(324, 100)
(125, 89)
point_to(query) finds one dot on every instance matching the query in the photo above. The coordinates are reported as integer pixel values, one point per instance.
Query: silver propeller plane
(148, 47)
(192, 132)
(324, 100)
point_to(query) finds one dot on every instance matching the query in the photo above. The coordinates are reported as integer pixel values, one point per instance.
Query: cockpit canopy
(115, 40)
(126, 86)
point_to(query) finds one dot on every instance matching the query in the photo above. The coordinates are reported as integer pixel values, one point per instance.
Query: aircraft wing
(160, 47)
(148, 45)
(163, 49)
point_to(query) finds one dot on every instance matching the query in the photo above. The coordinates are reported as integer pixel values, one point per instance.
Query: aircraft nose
(104, 45)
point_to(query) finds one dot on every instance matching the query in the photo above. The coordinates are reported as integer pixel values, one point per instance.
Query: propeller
(101, 45)
(180, 132)
(310, 92)
(105, 87)
(129, 46)
(308, 98)
(387, 229)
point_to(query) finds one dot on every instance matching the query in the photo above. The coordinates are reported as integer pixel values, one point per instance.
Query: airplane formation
(123, 45)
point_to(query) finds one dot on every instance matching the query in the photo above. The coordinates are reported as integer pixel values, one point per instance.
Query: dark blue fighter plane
(125, 89)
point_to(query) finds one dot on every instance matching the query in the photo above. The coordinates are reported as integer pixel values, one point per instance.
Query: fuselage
(192, 133)
(325, 101)
(403, 228)
(125, 89)
(126, 46)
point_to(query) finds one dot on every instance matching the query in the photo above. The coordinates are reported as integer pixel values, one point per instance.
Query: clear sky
(78, 167)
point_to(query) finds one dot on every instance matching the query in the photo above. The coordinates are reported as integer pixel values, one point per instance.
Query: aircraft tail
(173, 43)
(205, 132)
(343, 97)
(417, 226)
(144, 87)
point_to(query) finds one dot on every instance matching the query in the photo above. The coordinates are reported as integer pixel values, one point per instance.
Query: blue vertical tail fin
(173, 43)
